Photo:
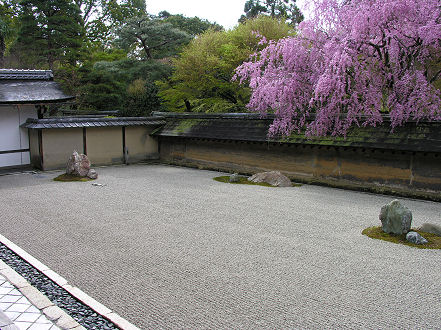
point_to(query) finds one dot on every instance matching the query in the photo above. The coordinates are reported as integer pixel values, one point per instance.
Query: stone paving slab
(17, 312)
(168, 247)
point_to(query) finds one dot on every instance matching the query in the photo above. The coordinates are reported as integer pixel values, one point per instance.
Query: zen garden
(161, 170)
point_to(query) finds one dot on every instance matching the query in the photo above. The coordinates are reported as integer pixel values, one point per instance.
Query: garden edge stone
(77, 293)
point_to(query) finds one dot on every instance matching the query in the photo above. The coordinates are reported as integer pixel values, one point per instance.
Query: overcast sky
(223, 12)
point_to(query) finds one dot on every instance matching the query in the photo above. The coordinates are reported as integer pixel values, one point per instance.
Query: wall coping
(75, 122)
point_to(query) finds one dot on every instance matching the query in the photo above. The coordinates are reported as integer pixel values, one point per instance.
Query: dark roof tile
(68, 122)
(424, 136)
(14, 74)
(29, 86)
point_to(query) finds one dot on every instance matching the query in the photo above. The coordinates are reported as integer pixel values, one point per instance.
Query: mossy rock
(434, 241)
(244, 180)
(71, 178)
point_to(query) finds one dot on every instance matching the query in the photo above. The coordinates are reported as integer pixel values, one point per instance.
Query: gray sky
(223, 12)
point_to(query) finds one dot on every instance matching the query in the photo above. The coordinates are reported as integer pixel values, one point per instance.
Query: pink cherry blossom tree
(352, 63)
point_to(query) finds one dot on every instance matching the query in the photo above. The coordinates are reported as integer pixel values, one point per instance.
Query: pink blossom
(349, 65)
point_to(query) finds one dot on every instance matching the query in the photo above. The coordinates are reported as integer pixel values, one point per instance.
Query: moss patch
(185, 126)
(244, 180)
(378, 233)
(71, 178)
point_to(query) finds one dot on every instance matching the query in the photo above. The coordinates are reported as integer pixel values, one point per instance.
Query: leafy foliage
(142, 99)
(202, 82)
(349, 65)
(150, 38)
(191, 25)
(125, 85)
(51, 31)
(102, 17)
(9, 12)
(286, 9)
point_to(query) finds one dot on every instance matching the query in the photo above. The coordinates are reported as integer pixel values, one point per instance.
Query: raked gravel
(169, 247)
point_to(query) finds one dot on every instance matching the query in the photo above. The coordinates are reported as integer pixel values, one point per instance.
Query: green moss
(434, 241)
(244, 180)
(71, 178)
(185, 125)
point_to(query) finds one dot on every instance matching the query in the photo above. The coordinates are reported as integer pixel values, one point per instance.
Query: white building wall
(12, 137)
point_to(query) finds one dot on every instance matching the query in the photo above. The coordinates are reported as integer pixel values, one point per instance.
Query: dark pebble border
(83, 314)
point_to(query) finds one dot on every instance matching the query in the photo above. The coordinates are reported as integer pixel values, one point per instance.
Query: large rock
(414, 237)
(431, 228)
(395, 218)
(274, 178)
(78, 164)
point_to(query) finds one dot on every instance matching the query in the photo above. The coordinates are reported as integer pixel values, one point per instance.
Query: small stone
(234, 177)
(92, 174)
(395, 218)
(98, 184)
(414, 237)
(431, 228)
(274, 178)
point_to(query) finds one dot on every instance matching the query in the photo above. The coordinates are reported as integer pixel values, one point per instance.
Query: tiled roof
(424, 136)
(29, 86)
(13, 74)
(92, 122)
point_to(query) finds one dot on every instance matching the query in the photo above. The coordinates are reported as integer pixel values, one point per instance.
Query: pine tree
(286, 9)
(51, 31)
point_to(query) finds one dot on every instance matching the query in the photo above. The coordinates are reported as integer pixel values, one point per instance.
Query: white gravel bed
(169, 247)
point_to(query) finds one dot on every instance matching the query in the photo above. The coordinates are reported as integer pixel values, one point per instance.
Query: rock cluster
(79, 165)
(274, 178)
(395, 218)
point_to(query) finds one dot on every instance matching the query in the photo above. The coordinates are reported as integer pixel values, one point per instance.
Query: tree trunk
(50, 54)
(2, 51)
(146, 48)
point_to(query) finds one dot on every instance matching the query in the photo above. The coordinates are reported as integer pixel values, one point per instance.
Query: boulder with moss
(395, 218)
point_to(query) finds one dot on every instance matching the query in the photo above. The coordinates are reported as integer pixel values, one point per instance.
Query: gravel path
(169, 247)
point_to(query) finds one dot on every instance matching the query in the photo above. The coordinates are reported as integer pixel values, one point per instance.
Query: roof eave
(18, 102)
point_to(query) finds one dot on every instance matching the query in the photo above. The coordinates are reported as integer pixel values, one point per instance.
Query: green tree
(192, 25)
(51, 31)
(201, 81)
(100, 90)
(102, 17)
(150, 38)
(142, 98)
(129, 84)
(286, 9)
(9, 12)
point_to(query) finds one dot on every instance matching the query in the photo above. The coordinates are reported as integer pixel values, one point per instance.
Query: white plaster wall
(25, 112)
(12, 137)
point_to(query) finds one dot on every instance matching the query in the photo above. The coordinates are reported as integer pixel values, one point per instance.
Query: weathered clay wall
(139, 144)
(58, 145)
(104, 145)
(403, 172)
(51, 148)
